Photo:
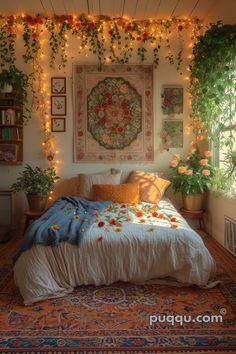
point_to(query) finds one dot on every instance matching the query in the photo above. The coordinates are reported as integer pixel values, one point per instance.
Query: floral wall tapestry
(113, 113)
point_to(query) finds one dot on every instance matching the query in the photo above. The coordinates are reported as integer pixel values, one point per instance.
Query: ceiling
(204, 9)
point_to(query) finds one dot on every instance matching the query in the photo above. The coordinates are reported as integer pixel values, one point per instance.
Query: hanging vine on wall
(115, 40)
(7, 41)
(213, 88)
(110, 39)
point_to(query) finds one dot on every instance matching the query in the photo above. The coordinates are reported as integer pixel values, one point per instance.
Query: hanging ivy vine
(7, 42)
(114, 40)
(213, 89)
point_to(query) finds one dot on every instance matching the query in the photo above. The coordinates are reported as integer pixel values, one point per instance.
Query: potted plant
(15, 80)
(192, 177)
(37, 183)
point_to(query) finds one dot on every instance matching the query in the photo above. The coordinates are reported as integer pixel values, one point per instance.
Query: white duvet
(128, 244)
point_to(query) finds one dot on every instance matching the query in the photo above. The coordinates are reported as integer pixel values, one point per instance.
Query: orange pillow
(152, 187)
(119, 193)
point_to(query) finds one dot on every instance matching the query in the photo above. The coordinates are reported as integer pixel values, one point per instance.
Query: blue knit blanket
(68, 219)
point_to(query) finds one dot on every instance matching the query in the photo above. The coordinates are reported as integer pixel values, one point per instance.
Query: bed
(110, 242)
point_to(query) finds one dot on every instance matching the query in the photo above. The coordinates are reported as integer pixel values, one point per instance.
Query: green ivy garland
(7, 42)
(122, 36)
(213, 88)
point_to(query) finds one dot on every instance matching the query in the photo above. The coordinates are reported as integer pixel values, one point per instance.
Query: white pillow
(86, 181)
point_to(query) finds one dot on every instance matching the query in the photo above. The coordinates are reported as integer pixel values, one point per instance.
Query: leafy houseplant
(19, 82)
(192, 177)
(37, 183)
(213, 90)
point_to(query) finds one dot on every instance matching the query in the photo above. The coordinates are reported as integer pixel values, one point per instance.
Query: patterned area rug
(116, 318)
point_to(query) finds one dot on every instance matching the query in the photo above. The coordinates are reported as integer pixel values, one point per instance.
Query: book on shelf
(9, 134)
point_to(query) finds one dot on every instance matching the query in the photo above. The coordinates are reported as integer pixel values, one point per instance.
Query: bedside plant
(37, 184)
(192, 177)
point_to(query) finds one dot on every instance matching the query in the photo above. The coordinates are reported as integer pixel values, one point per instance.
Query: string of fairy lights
(49, 44)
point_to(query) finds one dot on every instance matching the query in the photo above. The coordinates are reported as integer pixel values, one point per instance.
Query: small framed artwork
(172, 134)
(58, 124)
(58, 85)
(172, 100)
(58, 105)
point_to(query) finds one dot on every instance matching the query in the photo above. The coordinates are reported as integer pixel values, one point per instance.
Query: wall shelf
(11, 130)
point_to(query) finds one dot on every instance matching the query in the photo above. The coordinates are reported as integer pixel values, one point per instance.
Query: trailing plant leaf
(7, 42)
(213, 86)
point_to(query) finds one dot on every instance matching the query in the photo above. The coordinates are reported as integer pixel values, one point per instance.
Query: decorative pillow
(86, 181)
(152, 187)
(122, 193)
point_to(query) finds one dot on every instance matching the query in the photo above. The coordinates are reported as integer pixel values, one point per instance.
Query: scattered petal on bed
(155, 214)
(139, 214)
(100, 238)
(151, 229)
(101, 224)
(55, 227)
(142, 221)
(173, 219)
(118, 229)
(113, 221)
(174, 226)
(119, 224)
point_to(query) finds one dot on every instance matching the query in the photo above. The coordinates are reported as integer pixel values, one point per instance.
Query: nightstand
(31, 216)
(198, 215)
(6, 215)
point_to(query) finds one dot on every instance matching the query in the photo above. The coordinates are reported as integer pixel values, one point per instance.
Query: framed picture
(58, 124)
(172, 134)
(172, 100)
(58, 105)
(58, 85)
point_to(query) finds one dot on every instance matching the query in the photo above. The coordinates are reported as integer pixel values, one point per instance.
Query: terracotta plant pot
(193, 202)
(36, 203)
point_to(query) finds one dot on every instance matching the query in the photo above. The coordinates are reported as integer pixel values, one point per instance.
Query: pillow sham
(121, 193)
(86, 181)
(152, 187)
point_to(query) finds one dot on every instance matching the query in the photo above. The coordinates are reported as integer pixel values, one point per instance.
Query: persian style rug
(113, 113)
(116, 318)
